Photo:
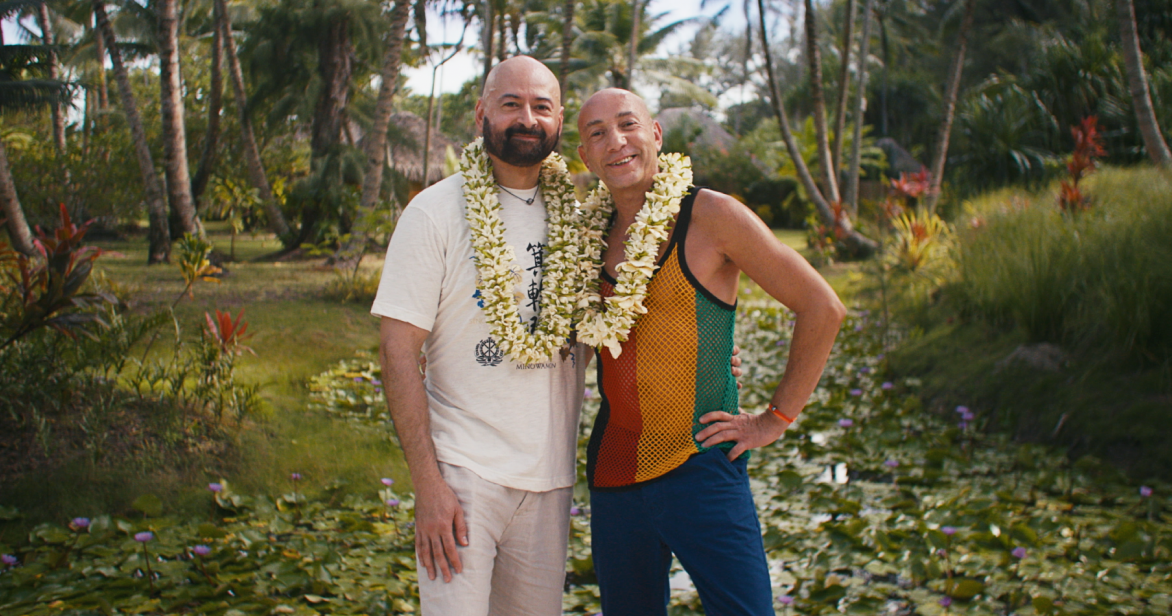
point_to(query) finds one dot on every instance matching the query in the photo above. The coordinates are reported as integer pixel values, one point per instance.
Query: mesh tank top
(674, 368)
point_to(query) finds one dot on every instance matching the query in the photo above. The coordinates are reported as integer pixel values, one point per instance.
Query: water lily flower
(144, 536)
(781, 343)
(201, 550)
(9, 560)
(295, 476)
(948, 530)
(845, 423)
(1145, 491)
(961, 410)
(893, 463)
(376, 382)
(945, 601)
(588, 393)
(1019, 552)
(387, 481)
(865, 370)
(963, 425)
(887, 385)
(79, 523)
(967, 416)
(216, 487)
(785, 600)
(856, 392)
(575, 511)
(394, 502)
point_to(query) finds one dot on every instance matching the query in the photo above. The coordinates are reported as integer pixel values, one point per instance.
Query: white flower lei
(609, 325)
(495, 259)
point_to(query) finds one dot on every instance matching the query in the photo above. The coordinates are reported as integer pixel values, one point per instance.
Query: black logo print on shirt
(488, 353)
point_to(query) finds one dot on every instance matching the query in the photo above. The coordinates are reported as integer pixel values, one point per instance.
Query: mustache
(536, 131)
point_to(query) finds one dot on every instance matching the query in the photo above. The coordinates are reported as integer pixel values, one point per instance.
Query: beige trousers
(515, 561)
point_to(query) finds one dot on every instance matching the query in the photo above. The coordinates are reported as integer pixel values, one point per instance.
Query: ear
(582, 156)
(478, 117)
(657, 130)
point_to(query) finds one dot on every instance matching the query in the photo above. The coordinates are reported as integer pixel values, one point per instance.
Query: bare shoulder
(724, 219)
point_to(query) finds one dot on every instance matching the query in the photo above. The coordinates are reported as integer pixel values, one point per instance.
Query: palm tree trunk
(173, 120)
(47, 38)
(567, 43)
(256, 170)
(1137, 80)
(844, 78)
(375, 142)
(207, 158)
(18, 231)
(633, 53)
(852, 178)
(854, 240)
(814, 57)
(932, 197)
(334, 64)
(159, 235)
(100, 52)
(487, 28)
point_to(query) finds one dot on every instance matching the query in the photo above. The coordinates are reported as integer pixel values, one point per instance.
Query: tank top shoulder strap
(683, 220)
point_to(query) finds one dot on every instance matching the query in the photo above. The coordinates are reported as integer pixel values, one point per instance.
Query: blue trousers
(703, 513)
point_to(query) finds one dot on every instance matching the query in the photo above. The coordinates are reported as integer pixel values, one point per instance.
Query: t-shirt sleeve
(413, 272)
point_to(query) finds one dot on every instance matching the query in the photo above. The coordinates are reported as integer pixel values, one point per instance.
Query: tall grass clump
(1097, 280)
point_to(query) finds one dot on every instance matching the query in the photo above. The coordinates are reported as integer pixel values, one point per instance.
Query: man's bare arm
(437, 511)
(749, 245)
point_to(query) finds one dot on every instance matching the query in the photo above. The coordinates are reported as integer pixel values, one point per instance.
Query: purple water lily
(216, 487)
(201, 550)
(144, 536)
(387, 481)
(845, 423)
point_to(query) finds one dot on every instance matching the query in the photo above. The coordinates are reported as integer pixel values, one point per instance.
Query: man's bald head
(521, 71)
(613, 98)
(520, 112)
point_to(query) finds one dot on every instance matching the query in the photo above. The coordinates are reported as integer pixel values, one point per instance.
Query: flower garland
(495, 259)
(609, 324)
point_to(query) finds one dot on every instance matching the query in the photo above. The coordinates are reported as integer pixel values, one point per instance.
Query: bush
(1099, 280)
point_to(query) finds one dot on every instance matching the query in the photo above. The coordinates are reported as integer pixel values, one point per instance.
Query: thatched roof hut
(710, 134)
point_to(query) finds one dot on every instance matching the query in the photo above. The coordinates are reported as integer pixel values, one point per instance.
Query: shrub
(1100, 281)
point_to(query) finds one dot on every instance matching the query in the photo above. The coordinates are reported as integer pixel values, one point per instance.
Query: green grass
(296, 334)
(1098, 284)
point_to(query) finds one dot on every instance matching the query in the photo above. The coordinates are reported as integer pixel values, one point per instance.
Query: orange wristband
(773, 409)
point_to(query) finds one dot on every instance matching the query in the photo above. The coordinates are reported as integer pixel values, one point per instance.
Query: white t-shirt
(511, 424)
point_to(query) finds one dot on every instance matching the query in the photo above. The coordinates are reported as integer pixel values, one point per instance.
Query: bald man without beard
(490, 444)
(665, 464)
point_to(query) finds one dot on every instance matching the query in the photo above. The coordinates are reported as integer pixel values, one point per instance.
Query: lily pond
(870, 504)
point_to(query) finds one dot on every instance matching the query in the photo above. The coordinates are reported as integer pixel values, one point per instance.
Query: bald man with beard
(490, 443)
(667, 456)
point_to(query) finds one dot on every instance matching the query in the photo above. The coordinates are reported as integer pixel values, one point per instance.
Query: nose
(615, 140)
(527, 118)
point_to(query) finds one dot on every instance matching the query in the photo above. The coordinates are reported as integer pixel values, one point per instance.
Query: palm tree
(1137, 80)
(375, 142)
(852, 177)
(838, 220)
(814, 58)
(607, 27)
(211, 139)
(17, 91)
(844, 77)
(173, 118)
(159, 235)
(44, 21)
(932, 196)
(255, 167)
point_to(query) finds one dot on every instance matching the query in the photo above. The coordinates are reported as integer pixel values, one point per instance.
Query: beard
(516, 152)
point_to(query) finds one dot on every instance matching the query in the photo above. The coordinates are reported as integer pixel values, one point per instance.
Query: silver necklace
(528, 201)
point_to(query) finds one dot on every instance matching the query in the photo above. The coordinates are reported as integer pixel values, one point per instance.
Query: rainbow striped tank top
(674, 368)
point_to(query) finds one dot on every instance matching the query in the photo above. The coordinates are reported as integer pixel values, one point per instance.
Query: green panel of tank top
(716, 389)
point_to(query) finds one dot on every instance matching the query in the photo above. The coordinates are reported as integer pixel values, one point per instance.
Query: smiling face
(520, 112)
(620, 141)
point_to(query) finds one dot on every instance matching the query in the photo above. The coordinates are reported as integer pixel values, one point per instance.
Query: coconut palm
(159, 250)
(932, 197)
(1141, 98)
(19, 89)
(173, 119)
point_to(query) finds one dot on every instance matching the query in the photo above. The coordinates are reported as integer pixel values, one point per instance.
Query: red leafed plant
(228, 333)
(1088, 146)
(45, 291)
